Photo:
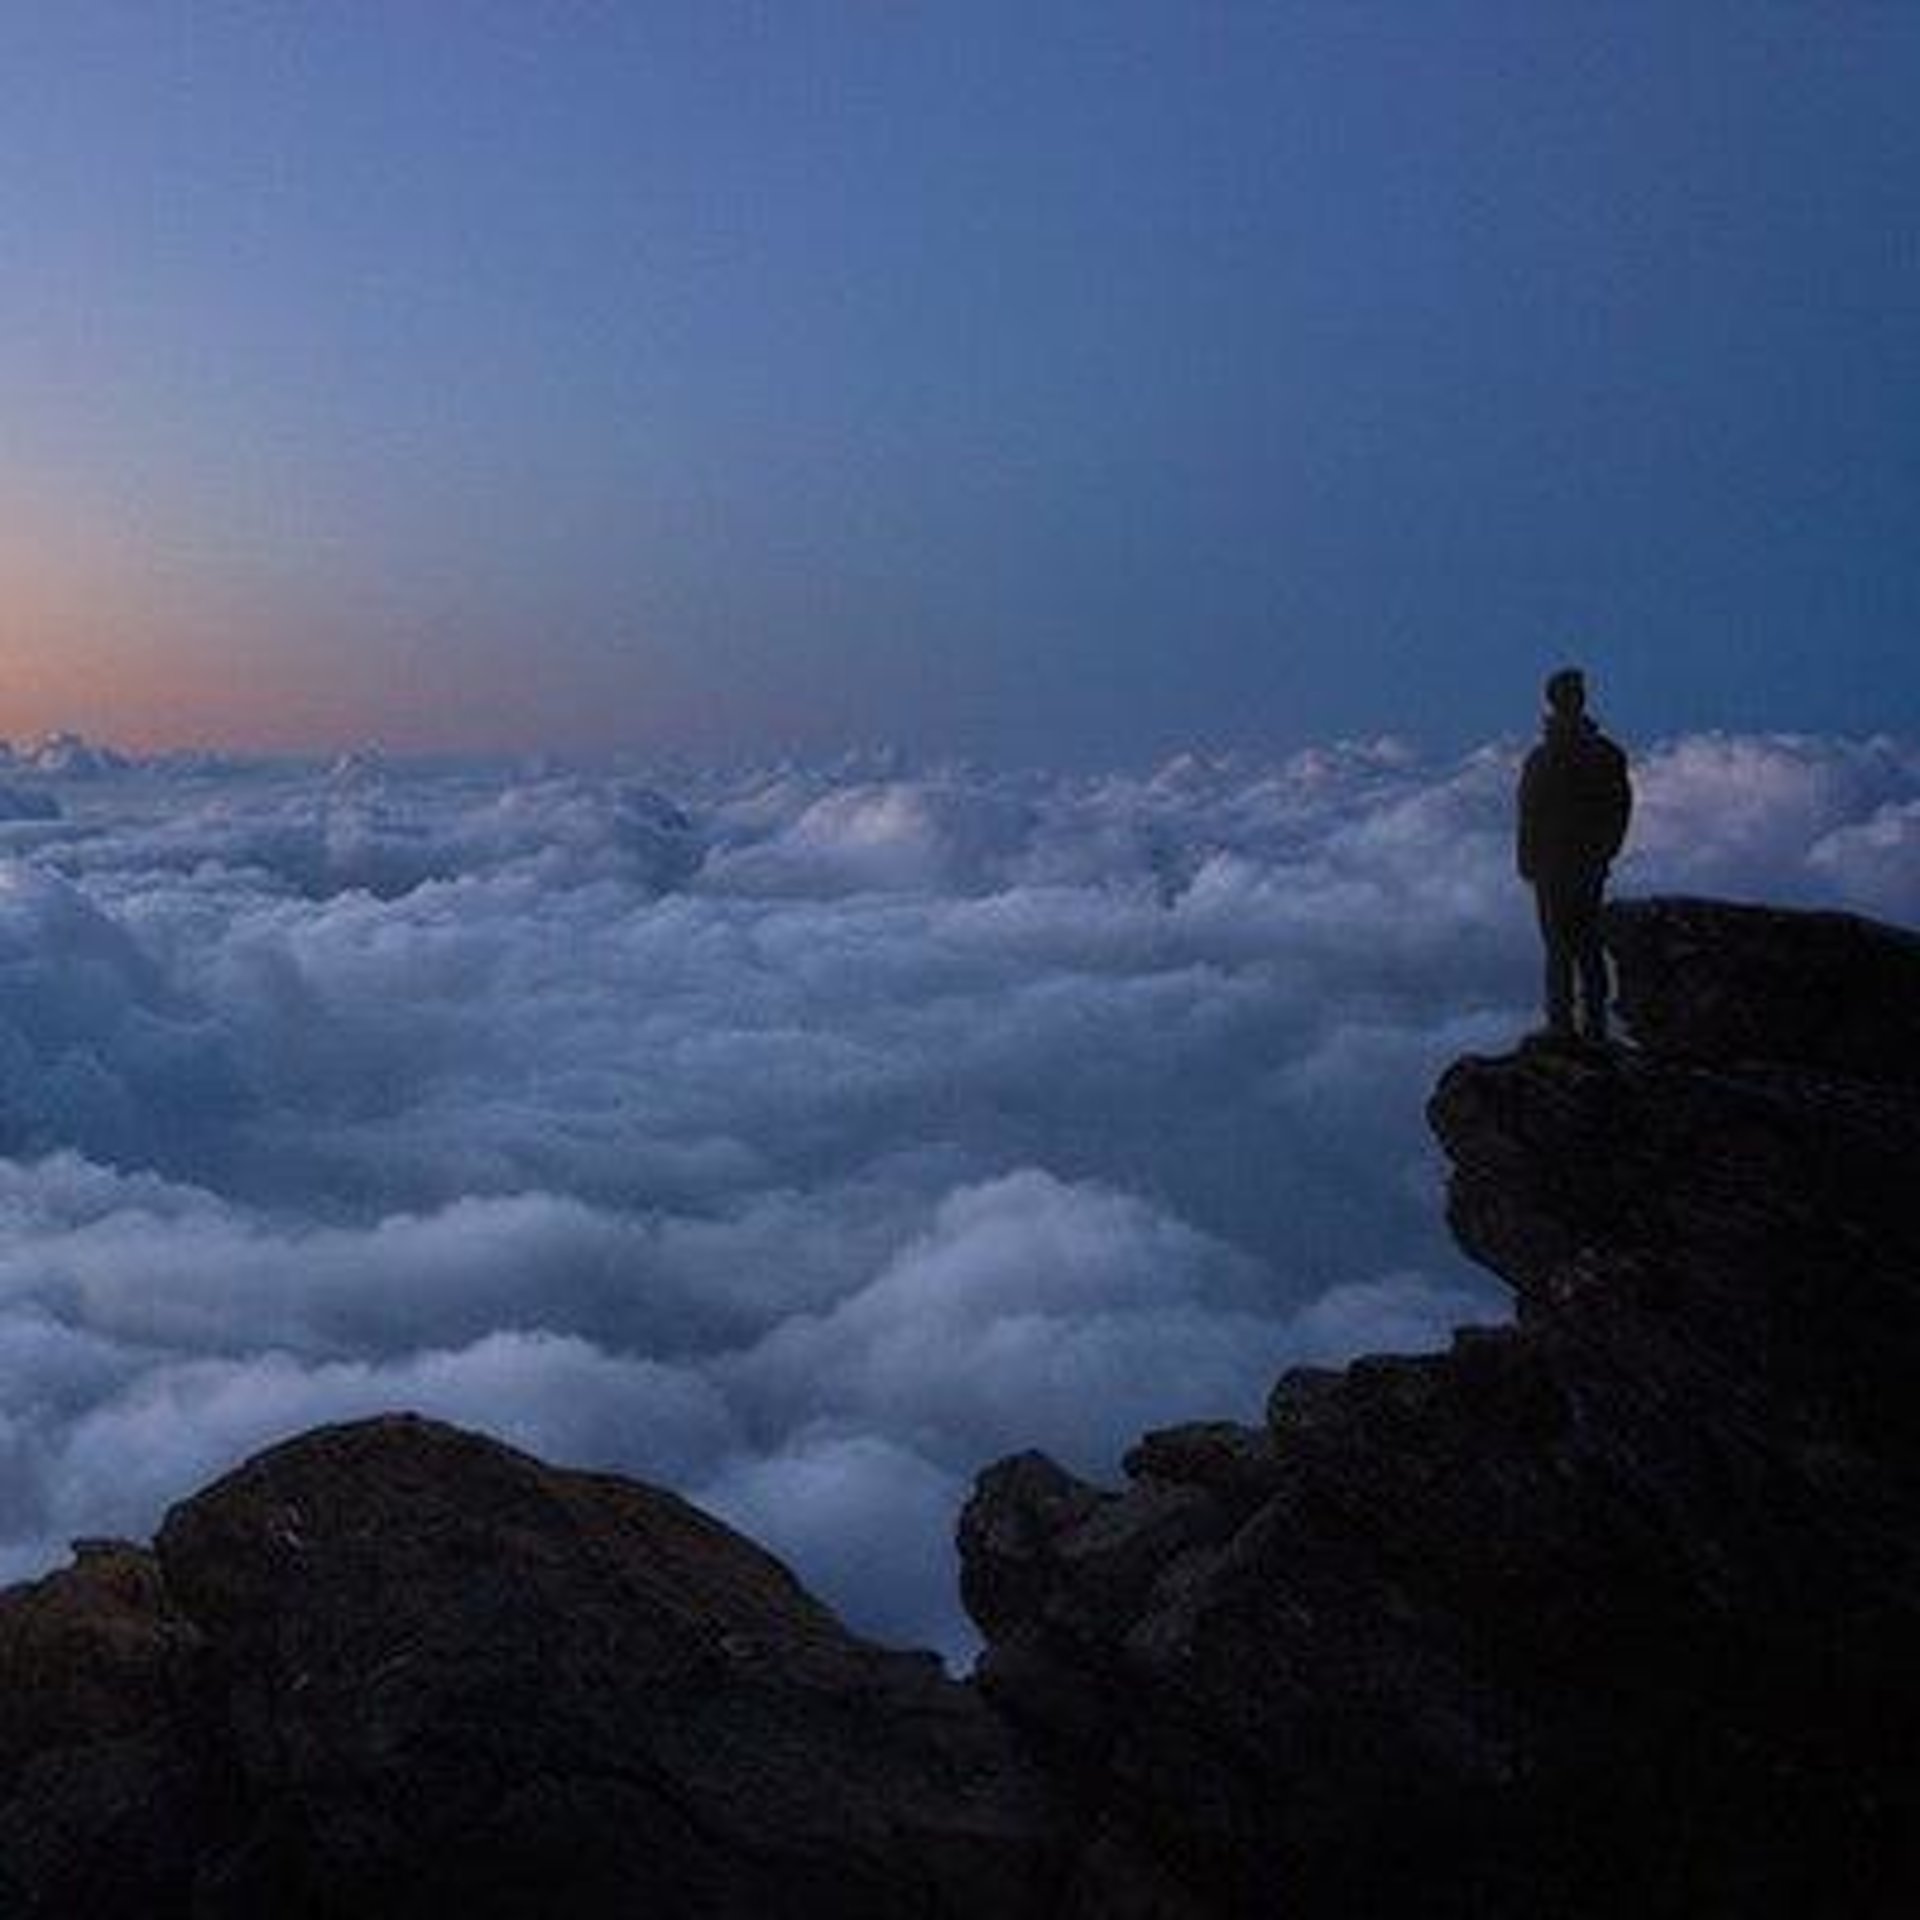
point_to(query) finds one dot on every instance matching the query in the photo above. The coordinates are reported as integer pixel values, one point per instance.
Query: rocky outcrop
(394, 1669)
(103, 1790)
(1707, 980)
(1615, 1610)
(1612, 1610)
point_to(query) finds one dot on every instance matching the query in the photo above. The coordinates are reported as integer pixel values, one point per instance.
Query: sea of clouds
(802, 1137)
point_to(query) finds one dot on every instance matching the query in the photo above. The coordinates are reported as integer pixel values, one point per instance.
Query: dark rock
(1301, 1397)
(428, 1675)
(1236, 1464)
(1612, 1611)
(1021, 1508)
(102, 1785)
(1714, 981)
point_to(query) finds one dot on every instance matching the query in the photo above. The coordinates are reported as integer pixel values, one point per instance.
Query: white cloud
(804, 1140)
(1068, 1314)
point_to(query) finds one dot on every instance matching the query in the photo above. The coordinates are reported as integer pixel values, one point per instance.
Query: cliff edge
(1611, 1610)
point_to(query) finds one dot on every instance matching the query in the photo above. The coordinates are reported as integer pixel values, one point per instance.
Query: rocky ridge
(1611, 1610)
(396, 1669)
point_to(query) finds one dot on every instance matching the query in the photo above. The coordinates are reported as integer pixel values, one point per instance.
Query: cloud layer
(804, 1137)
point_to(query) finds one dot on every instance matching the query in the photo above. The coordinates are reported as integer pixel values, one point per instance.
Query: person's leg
(1590, 955)
(1559, 957)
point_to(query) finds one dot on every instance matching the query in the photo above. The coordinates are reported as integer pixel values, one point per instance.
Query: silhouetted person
(1575, 800)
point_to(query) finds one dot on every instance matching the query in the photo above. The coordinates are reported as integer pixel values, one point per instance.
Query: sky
(1059, 385)
(1185, 432)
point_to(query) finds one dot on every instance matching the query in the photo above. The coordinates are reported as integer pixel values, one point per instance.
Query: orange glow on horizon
(120, 638)
(103, 634)
(82, 647)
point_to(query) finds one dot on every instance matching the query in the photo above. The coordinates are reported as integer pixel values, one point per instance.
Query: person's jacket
(1575, 801)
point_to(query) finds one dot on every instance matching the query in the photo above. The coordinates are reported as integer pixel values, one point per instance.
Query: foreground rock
(103, 1787)
(1613, 1611)
(394, 1669)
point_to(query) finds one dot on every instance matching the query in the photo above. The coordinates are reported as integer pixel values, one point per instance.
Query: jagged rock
(1741, 983)
(1021, 1508)
(1236, 1464)
(1300, 1397)
(1612, 1611)
(101, 1789)
(429, 1675)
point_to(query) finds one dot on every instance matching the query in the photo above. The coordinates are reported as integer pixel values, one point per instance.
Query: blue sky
(1069, 383)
